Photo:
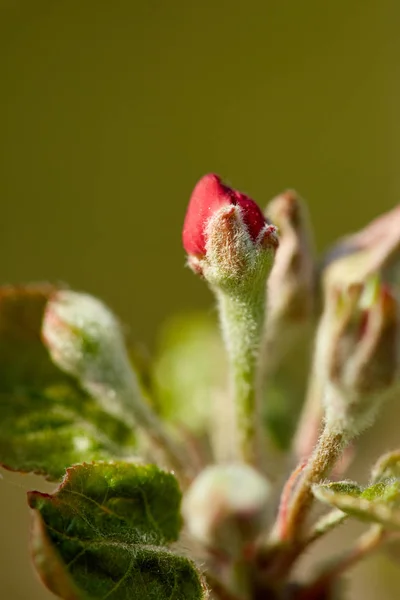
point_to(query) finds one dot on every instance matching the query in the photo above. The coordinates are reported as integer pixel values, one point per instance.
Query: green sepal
(47, 421)
(104, 534)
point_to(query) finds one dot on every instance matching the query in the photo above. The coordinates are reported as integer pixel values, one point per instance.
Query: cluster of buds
(266, 291)
(232, 245)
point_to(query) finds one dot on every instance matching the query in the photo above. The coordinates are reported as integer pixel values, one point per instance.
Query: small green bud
(226, 506)
(357, 352)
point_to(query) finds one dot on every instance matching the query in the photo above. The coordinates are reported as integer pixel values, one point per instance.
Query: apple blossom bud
(357, 352)
(292, 280)
(226, 506)
(226, 236)
(290, 323)
(230, 243)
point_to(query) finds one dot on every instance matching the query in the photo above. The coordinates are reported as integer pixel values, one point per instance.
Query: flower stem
(327, 451)
(242, 320)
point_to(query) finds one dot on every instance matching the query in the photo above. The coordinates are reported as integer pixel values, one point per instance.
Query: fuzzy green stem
(327, 451)
(242, 320)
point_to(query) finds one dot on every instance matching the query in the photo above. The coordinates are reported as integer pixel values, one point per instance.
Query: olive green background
(111, 110)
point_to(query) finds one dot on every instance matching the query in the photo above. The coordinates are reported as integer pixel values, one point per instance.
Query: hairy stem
(327, 451)
(242, 320)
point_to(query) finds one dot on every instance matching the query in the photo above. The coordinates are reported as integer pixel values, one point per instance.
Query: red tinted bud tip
(210, 195)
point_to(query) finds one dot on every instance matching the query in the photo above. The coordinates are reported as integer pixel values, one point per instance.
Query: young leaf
(348, 488)
(378, 503)
(102, 534)
(47, 421)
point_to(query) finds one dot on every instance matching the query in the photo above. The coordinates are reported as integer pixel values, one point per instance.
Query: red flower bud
(210, 195)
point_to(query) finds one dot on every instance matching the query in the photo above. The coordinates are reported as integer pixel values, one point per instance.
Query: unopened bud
(290, 320)
(226, 506)
(357, 352)
(226, 236)
(291, 283)
(230, 243)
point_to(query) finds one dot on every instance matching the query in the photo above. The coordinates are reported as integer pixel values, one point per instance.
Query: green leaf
(189, 369)
(102, 534)
(348, 488)
(47, 421)
(378, 503)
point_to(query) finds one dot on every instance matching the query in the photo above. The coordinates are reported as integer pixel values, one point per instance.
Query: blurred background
(111, 111)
